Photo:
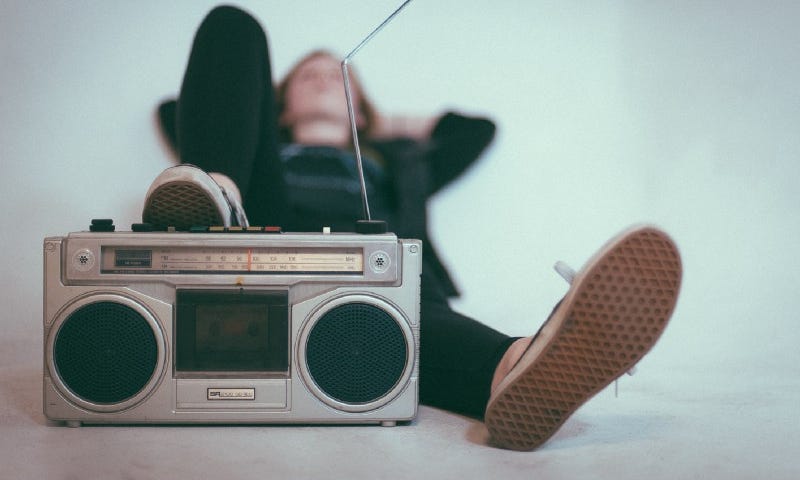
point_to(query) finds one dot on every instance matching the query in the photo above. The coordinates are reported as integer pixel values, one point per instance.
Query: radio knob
(143, 227)
(102, 225)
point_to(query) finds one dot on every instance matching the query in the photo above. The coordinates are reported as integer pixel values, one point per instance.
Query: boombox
(251, 327)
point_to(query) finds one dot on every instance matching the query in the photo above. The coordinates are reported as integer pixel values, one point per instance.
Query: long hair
(364, 108)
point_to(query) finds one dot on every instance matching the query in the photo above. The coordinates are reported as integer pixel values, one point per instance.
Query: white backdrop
(685, 114)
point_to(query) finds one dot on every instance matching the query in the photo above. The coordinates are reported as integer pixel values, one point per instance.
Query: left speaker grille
(105, 352)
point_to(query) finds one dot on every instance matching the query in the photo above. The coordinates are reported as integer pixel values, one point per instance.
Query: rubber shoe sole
(185, 196)
(616, 309)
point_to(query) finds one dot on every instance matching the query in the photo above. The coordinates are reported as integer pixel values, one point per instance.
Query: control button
(216, 229)
(102, 225)
(272, 229)
(143, 227)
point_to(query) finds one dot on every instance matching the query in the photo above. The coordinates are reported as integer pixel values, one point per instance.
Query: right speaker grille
(356, 353)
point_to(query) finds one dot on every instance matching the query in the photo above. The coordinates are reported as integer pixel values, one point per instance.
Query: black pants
(227, 123)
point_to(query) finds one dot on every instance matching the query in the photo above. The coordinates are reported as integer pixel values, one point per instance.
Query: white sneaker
(616, 309)
(184, 196)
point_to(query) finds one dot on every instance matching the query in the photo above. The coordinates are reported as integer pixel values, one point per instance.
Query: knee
(229, 13)
(232, 20)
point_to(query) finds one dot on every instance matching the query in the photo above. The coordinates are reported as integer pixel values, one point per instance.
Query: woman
(285, 154)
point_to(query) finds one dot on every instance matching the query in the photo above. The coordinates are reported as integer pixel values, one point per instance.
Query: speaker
(106, 352)
(356, 353)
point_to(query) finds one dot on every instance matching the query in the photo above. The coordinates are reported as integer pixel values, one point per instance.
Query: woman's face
(316, 92)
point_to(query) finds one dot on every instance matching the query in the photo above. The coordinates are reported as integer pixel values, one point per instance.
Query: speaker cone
(357, 353)
(106, 353)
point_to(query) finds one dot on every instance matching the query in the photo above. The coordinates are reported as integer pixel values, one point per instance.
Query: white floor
(664, 424)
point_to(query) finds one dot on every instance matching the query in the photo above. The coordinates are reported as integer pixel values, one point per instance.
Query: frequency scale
(247, 259)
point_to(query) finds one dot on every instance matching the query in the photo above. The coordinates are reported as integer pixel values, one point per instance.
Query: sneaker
(614, 312)
(185, 196)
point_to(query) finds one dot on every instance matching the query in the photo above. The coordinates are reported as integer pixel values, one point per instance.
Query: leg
(458, 355)
(226, 114)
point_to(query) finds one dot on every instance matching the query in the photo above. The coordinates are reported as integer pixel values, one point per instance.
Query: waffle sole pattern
(181, 205)
(615, 311)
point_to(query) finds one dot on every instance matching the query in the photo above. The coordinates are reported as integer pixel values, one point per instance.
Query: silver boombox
(180, 327)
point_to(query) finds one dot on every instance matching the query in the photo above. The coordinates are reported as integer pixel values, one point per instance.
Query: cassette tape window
(218, 331)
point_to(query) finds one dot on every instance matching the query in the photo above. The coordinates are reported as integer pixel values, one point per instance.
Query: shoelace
(568, 273)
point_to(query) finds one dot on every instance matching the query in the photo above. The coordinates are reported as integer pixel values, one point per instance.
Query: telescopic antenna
(367, 224)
